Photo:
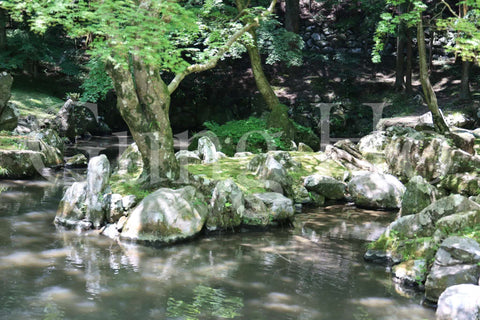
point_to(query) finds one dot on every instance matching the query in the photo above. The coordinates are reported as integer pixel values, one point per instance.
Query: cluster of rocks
(323, 39)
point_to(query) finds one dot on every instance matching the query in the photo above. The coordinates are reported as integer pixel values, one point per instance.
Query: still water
(312, 271)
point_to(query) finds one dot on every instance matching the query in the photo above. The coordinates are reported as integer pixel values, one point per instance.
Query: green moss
(127, 187)
(35, 103)
(11, 142)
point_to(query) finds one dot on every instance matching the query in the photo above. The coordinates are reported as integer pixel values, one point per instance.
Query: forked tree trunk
(430, 96)
(144, 101)
(465, 83)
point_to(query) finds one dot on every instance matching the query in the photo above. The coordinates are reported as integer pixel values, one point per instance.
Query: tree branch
(214, 59)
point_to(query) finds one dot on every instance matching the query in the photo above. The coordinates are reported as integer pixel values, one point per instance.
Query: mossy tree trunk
(261, 80)
(430, 96)
(143, 100)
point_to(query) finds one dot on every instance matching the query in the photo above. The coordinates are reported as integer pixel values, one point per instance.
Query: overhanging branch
(214, 59)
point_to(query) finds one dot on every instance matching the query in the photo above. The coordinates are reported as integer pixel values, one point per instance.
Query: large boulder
(467, 184)
(167, 216)
(457, 261)
(72, 208)
(20, 163)
(459, 302)
(431, 157)
(130, 162)
(418, 195)
(227, 206)
(267, 209)
(326, 186)
(6, 81)
(9, 117)
(424, 223)
(97, 181)
(272, 168)
(75, 119)
(376, 190)
(207, 150)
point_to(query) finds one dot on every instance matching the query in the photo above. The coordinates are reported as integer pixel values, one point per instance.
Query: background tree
(3, 30)
(412, 16)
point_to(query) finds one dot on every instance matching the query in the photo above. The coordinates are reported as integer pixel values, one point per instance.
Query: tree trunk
(292, 15)
(430, 96)
(408, 70)
(143, 100)
(465, 84)
(399, 69)
(261, 80)
(3, 29)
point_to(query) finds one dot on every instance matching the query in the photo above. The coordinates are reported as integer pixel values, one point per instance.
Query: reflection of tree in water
(207, 302)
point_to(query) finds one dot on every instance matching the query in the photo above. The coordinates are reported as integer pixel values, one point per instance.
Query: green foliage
(39, 104)
(279, 44)
(467, 29)
(51, 49)
(127, 187)
(207, 303)
(97, 83)
(252, 131)
(12, 142)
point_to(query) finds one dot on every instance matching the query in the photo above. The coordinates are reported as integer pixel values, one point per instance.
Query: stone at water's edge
(456, 262)
(326, 186)
(411, 272)
(227, 206)
(265, 209)
(20, 163)
(71, 209)
(376, 190)
(167, 216)
(418, 195)
(98, 175)
(460, 302)
(423, 224)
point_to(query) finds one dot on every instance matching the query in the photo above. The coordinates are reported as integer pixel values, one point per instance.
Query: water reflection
(314, 271)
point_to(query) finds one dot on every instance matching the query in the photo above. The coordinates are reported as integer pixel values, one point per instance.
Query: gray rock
(167, 216)
(72, 206)
(373, 143)
(467, 184)
(188, 157)
(326, 186)
(302, 147)
(75, 119)
(207, 150)
(418, 195)
(227, 206)
(130, 162)
(77, 161)
(20, 163)
(376, 190)
(98, 175)
(114, 207)
(459, 302)
(128, 202)
(6, 81)
(267, 209)
(242, 154)
(456, 262)
(411, 272)
(423, 224)
(111, 231)
(456, 223)
(9, 117)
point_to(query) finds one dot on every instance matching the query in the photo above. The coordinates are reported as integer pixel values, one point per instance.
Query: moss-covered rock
(227, 206)
(167, 216)
(418, 195)
(326, 186)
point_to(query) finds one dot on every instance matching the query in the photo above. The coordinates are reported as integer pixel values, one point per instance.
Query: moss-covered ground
(39, 104)
(11, 142)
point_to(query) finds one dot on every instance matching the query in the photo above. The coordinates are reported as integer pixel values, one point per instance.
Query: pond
(314, 270)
